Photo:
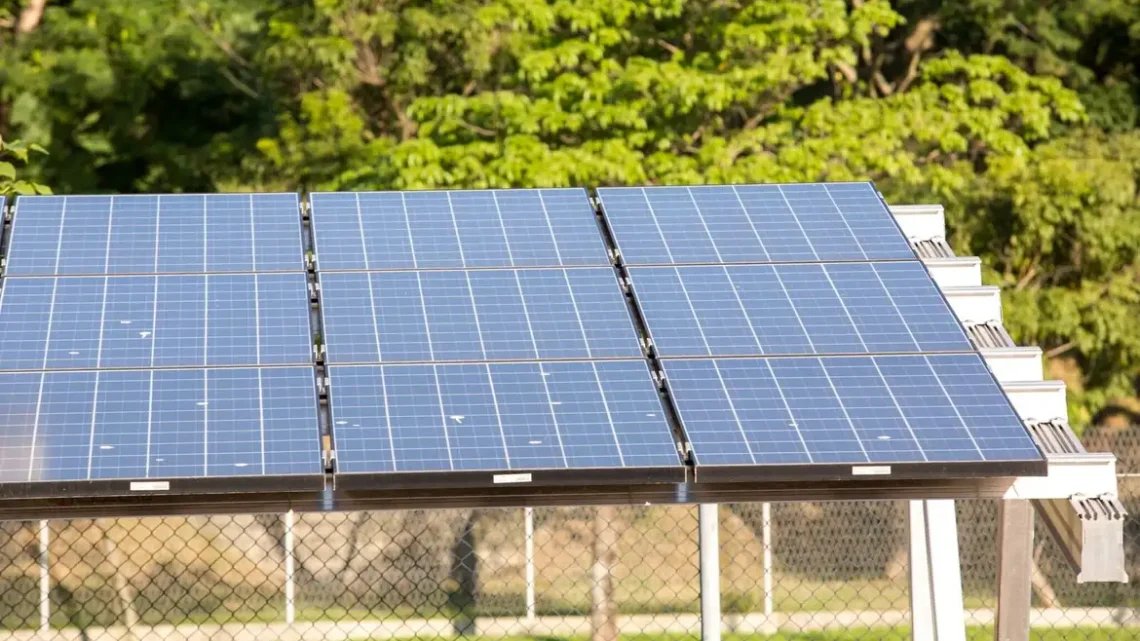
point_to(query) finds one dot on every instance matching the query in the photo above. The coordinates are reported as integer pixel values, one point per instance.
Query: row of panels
(83, 235)
(505, 417)
(230, 319)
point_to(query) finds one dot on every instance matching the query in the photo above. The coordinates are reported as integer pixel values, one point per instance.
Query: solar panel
(116, 311)
(752, 224)
(440, 229)
(168, 234)
(476, 315)
(852, 410)
(183, 425)
(795, 309)
(154, 321)
(548, 418)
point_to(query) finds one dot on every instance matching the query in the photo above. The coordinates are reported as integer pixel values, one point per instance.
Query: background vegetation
(1019, 115)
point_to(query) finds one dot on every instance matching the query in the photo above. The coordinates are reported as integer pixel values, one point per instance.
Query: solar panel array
(157, 337)
(481, 337)
(756, 277)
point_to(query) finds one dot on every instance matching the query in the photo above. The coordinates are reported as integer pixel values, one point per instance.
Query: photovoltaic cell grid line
(476, 315)
(155, 234)
(795, 309)
(456, 229)
(845, 410)
(154, 321)
(752, 224)
(499, 416)
(158, 424)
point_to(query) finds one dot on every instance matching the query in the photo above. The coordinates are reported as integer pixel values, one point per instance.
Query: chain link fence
(788, 571)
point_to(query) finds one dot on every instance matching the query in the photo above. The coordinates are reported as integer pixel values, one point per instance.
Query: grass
(975, 633)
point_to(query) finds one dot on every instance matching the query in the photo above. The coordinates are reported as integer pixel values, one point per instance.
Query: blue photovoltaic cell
(498, 416)
(128, 424)
(845, 410)
(18, 395)
(86, 235)
(25, 308)
(795, 309)
(427, 316)
(752, 224)
(433, 229)
(154, 321)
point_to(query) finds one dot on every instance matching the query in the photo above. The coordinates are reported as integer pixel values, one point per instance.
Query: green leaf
(24, 188)
(7, 171)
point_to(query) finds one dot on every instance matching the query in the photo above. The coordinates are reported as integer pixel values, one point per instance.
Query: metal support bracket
(1090, 533)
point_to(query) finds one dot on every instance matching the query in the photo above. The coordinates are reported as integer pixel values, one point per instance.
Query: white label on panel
(150, 486)
(512, 478)
(871, 470)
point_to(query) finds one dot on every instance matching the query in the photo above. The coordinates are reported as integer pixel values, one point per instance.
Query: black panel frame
(329, 500)
(909, 471)
(178, 486)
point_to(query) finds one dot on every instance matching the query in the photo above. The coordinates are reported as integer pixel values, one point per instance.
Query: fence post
(935, 574)
(528, 513)
(766, 535)
(290, 612)
(710, 571)
(45, 578)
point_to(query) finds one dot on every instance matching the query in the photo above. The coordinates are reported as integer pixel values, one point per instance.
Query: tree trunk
(1046, 595)
(122, 587)
(356, 524)
(603, 618)
(30, 17)
(465, 575)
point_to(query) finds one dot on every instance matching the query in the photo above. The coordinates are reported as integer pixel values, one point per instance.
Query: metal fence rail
(823, 570)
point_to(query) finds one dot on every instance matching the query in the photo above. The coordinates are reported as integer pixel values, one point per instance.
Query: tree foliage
(12, 155)
(1019, 116)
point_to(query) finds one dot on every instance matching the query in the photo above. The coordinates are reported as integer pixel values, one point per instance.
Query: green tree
(136, 96)
(12, 155)
(1019, 116)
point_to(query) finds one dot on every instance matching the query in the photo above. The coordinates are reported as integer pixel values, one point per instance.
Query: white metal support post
(528, 513)
(710, 571)
(1015, 567)
(290, 604)
(45, 578)
(935, 573)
